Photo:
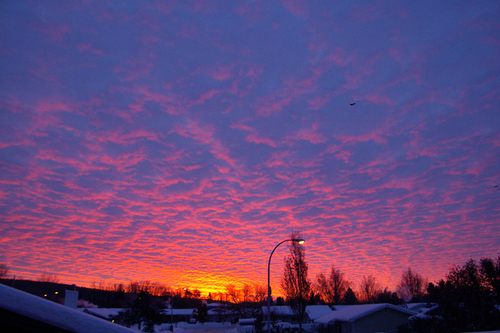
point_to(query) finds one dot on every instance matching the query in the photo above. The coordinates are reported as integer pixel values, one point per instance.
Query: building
(317, 311)
(366, 318)
(284, 313)
(177, 315)
(25, 313)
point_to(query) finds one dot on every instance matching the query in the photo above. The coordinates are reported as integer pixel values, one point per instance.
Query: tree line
(468, 299)
(468, 296)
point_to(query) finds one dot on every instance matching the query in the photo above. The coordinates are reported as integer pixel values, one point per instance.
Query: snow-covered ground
(198, 328)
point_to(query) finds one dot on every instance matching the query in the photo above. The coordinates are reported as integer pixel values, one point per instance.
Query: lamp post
(296, 240)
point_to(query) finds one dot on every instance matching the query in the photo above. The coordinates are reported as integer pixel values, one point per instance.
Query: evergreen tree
(465, 300)
(203, 313)
(350, 297)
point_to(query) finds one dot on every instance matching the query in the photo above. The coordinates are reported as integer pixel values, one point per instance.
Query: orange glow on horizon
(173, 150)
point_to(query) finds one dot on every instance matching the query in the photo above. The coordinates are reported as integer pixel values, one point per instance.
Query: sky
(181, 141)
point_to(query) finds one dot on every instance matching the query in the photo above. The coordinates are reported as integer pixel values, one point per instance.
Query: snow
(179, 312)
(203, 328)
(104, 313)
(54, 314)
(354, 312)
(317, 311)
(281, 310)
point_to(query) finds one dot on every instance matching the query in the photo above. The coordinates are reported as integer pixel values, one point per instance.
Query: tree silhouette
(295, 283)
(465, 300)
(203, 313)
(369, 289)
(350, 297)
(4, 271)
(411, 286)
(332, 288)
(45, 277)
(144, 311)
(490, 269)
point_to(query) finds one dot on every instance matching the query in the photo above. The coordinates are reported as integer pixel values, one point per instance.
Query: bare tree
(234, 296)
(333, 288)
(246, 292)
(295, 283)
(411, 285)
(45, 277)
(369, 289)
(260, 293)
(4, 271)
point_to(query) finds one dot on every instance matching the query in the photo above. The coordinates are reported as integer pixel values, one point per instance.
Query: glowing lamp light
(295, 240)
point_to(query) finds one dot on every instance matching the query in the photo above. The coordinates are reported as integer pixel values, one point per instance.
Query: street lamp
(295, 240)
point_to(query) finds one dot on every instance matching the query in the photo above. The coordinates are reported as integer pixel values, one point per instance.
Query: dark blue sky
(179, 141)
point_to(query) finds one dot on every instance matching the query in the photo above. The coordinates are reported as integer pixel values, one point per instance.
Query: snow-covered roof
(280, 310)
(54, 314)
(215, 305)
(317, 311)
(355, 312)
(179, 312)
(422, 307)
(219, 311)
(102, 312)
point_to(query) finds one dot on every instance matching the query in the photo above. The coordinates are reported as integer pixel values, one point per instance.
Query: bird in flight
(496, 186)
(352, 104)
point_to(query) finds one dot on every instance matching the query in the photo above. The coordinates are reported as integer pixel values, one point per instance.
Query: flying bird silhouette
(496, 186)
(352, 104)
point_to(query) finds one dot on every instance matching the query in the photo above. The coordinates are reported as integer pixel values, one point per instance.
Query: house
(317, 311)
(366, 318)
(23, 312)
(422, 308)
(102, 313)
(221, 314)
(284, 313)
(177, 315)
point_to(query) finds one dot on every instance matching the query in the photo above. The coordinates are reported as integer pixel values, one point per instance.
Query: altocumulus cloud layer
(180, 141)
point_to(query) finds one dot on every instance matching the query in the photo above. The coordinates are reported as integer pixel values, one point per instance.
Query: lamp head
(298, 240)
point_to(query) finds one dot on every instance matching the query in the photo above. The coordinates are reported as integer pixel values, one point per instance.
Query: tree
(465, 300)
(143, 312)
(333, 288)
(246, 292)
(234, 296)
(350, 297)
(295, 283)
(260, 293)
(203, 312)
(4, 271)
(411, 286)
(490, 270)
(45, 277)
(369, 289)
(387, 296)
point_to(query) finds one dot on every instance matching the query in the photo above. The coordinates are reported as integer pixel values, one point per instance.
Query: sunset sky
(180, 141)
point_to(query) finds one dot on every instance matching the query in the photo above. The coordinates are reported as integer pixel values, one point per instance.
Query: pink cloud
(319, 101)
(297, 7)
(338, 57)
(377, 136)
(87, 47)
(53, 32)
(294, 88)
(254, 136)
(221, 72)
(205, 134)
(257, 139)
(308, 134)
